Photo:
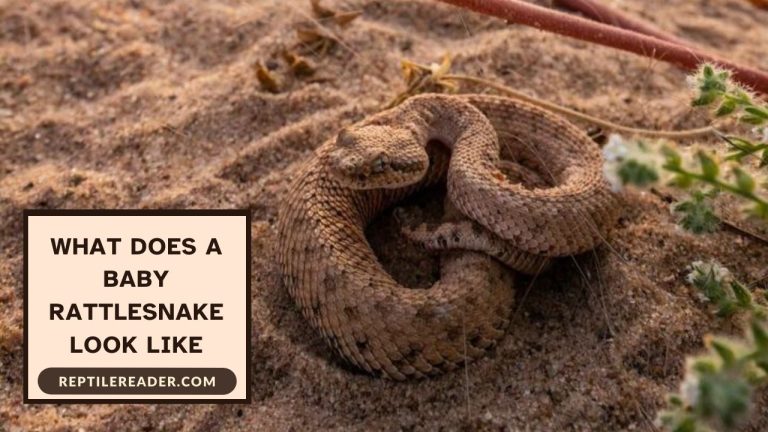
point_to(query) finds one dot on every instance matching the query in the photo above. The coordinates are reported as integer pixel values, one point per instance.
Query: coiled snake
(341, 288)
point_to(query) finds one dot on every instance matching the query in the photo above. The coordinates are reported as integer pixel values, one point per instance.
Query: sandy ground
(155, 104)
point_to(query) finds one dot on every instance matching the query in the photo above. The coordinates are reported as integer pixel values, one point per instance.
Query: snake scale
(339, 285)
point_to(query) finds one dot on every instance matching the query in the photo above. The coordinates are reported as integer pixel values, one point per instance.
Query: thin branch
(519, 12)
(730, 224)
(599, 12)
(421, 78)
(743, 231)
(720, 184)
(681, 134)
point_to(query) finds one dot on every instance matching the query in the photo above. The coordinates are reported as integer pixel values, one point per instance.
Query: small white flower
(616, 149)
(611, 174)
(700, 268)
(761, 133)
(614, 153)
(618, 152)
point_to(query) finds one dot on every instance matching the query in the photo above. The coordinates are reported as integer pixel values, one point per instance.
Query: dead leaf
(298, 64)
(266, 79)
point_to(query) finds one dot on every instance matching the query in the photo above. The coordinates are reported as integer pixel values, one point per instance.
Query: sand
(155, 104)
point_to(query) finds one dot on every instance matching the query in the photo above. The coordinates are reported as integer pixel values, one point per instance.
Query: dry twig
(520, 12)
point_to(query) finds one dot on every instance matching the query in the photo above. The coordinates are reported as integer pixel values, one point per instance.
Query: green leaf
(725, 108)
(757, 112)
(744, 181)
(683, 181)
(726, 398)
(714, 82)
(708, 71)
(673, 160)
(704, 366)
(704, 99)
(708, 284)
(764, 159)
(741, 97)
(687, 425)
(760, 335)
(762, 365)
(752, 119)
(634, 172)
(698, 215)
(740, 147)
(743, 296)
(675, 400)
(727, 308)
(709, 168)
(761, 210)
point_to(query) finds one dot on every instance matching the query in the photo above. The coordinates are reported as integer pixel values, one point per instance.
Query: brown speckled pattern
(382, 327)
(570, 217)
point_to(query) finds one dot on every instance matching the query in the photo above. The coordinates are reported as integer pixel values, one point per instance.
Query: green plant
(704, 173)
(697, 214)
(716, 393)
(729, 296)
(642, 164)
(715, 88)
(707, 170)
(742, 148)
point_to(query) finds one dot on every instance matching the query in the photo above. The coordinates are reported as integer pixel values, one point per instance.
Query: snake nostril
(350, 164)
(380, 163)
(345, 138)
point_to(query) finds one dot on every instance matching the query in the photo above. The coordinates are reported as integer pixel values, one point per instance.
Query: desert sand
(156, 104)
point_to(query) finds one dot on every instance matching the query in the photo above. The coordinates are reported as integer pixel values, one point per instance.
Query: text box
(137, 306)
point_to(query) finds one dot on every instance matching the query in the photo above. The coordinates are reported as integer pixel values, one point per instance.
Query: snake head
(376, 156)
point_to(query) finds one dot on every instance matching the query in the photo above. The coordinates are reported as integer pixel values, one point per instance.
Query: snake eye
(380, 163)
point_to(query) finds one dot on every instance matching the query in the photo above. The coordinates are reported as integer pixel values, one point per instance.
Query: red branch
(601, 13)
(519, 12)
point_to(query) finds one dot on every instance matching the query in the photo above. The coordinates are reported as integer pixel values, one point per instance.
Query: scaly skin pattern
(333, 274)
(458, 232)
(372, 321)
(570, 217)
